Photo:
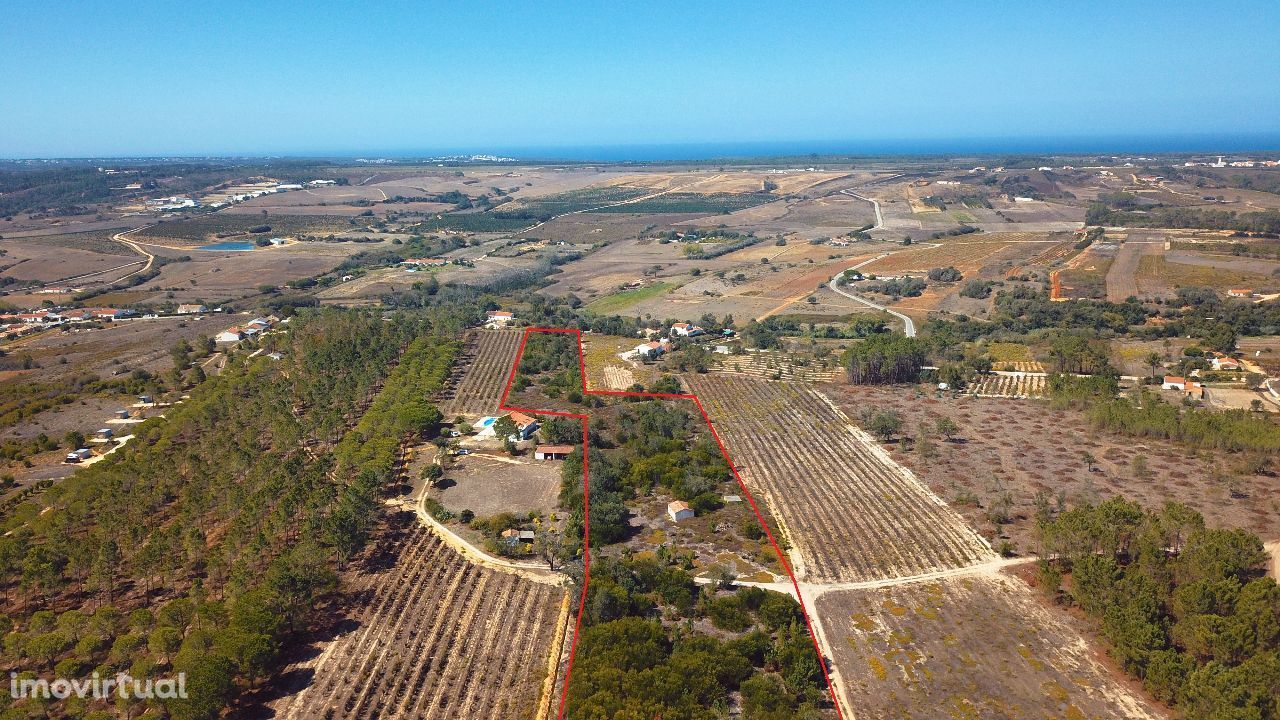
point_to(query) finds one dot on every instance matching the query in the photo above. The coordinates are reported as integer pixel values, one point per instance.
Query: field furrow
(853, 513)
(437, 637)
(480, 373)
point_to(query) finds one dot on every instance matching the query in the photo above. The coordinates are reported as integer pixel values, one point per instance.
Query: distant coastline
(1157, 144)
(798, 151)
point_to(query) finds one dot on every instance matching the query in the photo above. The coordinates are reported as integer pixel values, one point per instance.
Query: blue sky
(149, 78)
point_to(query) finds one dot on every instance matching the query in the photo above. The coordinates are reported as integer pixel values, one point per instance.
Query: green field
(694, 203)
(475, 222)
(220, 225)
(551, 205)
(611, 304)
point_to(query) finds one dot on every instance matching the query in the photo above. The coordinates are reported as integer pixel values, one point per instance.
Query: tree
(886, 424)
(947, 427)
(1089, 460)
(504, 427)
(1152, 359)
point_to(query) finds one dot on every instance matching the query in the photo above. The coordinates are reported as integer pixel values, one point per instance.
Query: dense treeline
(1186, 609)
(651, 444)
(1145, 415)
(1265, 221)
(366, 456)
(221, 505)
(633, 662)
(885, 359)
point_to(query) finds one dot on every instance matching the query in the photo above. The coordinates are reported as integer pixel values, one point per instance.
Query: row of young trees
(225, 502)
(1187, 609)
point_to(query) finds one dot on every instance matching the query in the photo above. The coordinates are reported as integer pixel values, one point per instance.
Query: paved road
(908, 325)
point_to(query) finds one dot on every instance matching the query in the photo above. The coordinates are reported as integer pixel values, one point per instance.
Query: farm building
(425, 262)
(1240, 292)
(525, 425)
(511, 536)
(191, 309)
(230, 335)
(679, 510)
(552, 452)
(1173, 382)
(687, 330)
(104, 434)
(122, 414)
(650, 350)
(499, 317)
(1225, 363)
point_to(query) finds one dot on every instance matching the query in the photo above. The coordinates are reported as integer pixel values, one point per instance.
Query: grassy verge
(619, 301)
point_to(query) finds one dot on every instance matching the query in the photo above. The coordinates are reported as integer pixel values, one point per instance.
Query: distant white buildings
(191, 309)
(687, 330)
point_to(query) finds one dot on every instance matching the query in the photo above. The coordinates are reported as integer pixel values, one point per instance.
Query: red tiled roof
(520, 419)
(555, 449)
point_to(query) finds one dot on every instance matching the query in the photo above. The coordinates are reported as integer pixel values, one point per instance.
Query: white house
(1240, 293)
(1225, 363)
(687, 330)
(499, 317)
(525, 425)
(186, 309)
(1173, 382)
(552, 452)
(679, 510)
(650, 350)
(230, 335)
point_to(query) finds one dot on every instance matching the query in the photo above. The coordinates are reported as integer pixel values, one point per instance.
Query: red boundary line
(586, 499)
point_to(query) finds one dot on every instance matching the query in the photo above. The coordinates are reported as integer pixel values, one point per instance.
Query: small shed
(122, 414)
(552, 452)
(679, 510)
(104, 434)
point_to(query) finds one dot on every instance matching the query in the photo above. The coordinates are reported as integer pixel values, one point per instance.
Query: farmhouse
(1240, 292)
(191, 309)
(500, 317)
(425, 262)
(687, 330)
(513, 537)
(650, 350)
(1225, 363)
(525, 425)
(230, 335)
(1173, 382)
(552, 452)
(679, 510)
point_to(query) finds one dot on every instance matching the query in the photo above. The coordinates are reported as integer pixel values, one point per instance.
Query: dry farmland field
(89, 257)
(223, 226)
(973, 647)
(1024, 448)
(851, 511)
(967, 254)
(1165, 273)
(431, 637)
(778, 365)
(480, 373)
(1008, 386)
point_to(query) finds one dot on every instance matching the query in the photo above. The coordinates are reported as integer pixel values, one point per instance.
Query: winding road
(908, 325)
